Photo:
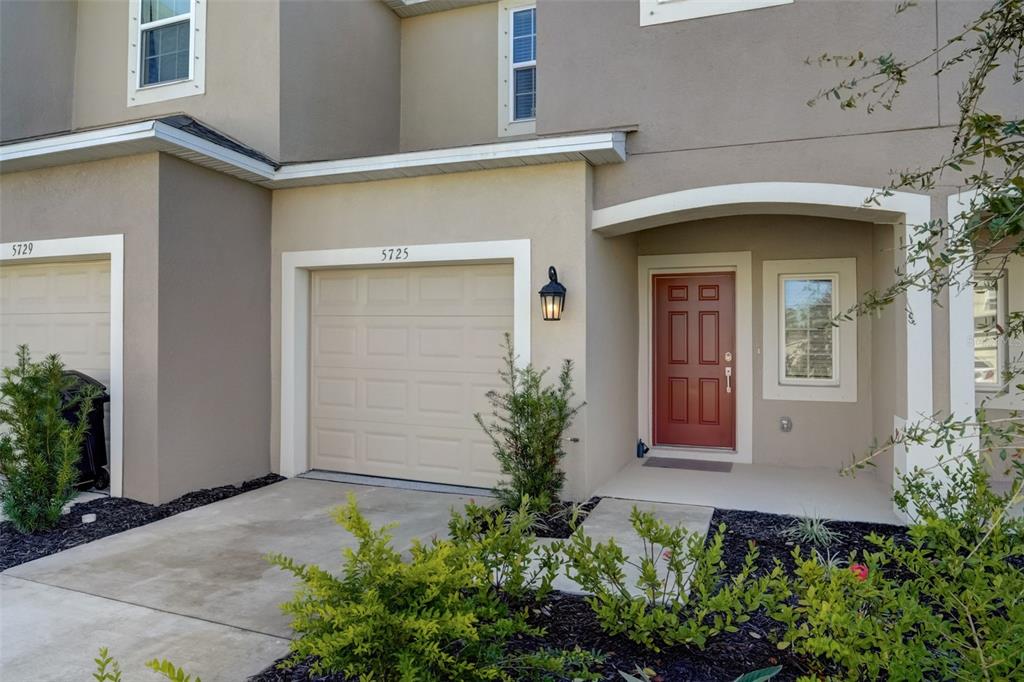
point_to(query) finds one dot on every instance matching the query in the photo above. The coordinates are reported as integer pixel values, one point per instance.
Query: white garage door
(401, 359)
(59, 308)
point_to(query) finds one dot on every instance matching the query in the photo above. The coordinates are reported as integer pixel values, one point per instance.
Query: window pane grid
(165, 53)
(155, 10)
(987, 336)
(524, 92)
(808, 333)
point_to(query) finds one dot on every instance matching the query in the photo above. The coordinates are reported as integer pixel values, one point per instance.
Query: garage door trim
(295, 316)
(74, 248)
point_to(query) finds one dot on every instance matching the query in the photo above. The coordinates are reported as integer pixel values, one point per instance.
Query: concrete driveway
(193, 587)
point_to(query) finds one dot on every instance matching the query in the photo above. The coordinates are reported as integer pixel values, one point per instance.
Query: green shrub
(109, 670)
(684, 596)
(947, 603)
(436, 616)
(812, 530)
(503, 542)
(39, 451)
(527, 424)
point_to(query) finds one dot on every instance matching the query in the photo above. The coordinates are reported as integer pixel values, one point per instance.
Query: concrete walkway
(195, 588)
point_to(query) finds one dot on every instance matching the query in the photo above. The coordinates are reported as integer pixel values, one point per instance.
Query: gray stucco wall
(37, 66)
(339, 79)
(108, 197)
(242, 68)
(214, 317)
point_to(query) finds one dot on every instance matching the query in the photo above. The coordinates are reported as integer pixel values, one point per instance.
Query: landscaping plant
(502, 540)
(681, 594)
(945, 604)
(436, 616)
(109, 670)
(526, 426)
(39, 449)
(813, 530)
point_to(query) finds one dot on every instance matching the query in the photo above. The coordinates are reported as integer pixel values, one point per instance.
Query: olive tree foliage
(985, 161)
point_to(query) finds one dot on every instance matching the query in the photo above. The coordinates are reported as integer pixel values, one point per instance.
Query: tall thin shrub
(527, 424)
(39, 449)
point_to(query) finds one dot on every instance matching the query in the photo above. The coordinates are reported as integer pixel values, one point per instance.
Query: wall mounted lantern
(552, 297)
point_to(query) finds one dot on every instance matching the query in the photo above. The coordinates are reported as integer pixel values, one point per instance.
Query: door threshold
(702, 454)
(401, 483)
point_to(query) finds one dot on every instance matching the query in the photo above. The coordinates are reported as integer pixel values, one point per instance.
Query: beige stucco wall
(546, 204)
(214, 321)
(824, 434)
(37, 62)
(339, 79)
(196, 320)
(242, 67)
(450, 78)
(108, 197)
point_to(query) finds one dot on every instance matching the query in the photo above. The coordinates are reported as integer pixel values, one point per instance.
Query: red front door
(694, 376)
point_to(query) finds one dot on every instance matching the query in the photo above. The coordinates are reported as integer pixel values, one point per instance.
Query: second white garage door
(401, 358)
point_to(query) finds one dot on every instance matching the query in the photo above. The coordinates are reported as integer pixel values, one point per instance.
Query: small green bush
(813, 530)
(436, 616)
(945, 604)
(39, 451)
(527, 424)
(684, 596)
(109, 670)
(504, 543)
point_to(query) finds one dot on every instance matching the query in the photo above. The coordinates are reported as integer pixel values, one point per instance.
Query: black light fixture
(552, 297)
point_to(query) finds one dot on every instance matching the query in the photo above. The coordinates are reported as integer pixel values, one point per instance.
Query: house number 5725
(401, 253)
(21, 248)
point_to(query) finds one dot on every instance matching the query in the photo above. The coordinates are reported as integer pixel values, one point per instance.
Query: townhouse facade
(291, 235)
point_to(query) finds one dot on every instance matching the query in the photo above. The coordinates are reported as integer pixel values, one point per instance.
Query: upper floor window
(524, 63)
(665, 11)
(517, 64)
(166, 50)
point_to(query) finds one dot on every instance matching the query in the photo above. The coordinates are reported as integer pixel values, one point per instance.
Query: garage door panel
(369, 394)
(410, 343)
(426, 291)
(402, 359)
(55, 288)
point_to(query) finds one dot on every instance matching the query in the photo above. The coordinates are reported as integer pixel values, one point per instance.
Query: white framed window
(665, 11)
(807, 356)
(989, 326)
(517, 63)
(167, 46)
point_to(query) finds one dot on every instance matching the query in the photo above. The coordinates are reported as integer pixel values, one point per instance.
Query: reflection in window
(987, 332)
(809, 337)
(166, 29)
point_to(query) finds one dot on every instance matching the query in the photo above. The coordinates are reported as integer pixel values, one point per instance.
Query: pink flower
(860, 571)
(667, 554)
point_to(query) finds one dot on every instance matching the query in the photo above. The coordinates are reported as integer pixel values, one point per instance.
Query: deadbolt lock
(728, 357)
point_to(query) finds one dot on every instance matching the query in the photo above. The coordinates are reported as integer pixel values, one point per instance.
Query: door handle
(728, 379)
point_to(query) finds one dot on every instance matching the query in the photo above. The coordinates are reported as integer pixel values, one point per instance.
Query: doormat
(691, 464)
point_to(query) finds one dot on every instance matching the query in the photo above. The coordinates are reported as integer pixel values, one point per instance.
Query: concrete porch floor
(759, 487)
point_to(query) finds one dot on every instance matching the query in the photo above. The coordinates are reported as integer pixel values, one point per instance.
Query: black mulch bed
(113, 515)
(570, 622)
(555, 524)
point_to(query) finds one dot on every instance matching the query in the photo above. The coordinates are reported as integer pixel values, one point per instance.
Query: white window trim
(836, 341)
(296, 267)
(110, 246)
(507, 126)
(665, 11)
(843, 388)
(195, 84)
(735, 261)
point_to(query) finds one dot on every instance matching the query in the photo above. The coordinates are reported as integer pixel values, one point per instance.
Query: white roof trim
(150, 136)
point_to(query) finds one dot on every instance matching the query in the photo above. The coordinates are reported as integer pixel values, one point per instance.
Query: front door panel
(694, 375)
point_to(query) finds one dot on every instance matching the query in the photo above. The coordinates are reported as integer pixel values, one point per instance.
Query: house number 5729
(401, 253)
(21, 248)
